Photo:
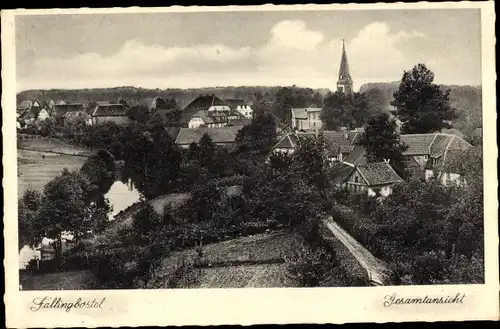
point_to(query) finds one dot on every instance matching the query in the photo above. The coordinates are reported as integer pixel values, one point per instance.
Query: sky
(244, 48)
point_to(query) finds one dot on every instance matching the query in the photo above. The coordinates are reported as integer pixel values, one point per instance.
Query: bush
(310, 267)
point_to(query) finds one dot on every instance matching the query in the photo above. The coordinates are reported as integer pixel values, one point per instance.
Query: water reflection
(120, 194)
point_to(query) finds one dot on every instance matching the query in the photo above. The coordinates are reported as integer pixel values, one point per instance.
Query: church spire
(344, 84)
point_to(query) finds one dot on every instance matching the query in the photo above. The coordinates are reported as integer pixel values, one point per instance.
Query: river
(120, 196)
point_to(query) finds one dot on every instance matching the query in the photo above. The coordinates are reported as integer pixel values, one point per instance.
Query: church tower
(344, 84)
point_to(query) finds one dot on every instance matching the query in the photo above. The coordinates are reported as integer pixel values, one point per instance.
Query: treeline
(134, 95)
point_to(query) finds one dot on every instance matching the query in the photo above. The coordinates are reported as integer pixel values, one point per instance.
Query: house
(60, 110)
(356, 157)
(224, 136)
(24, 106)
(33, 112)
(289, 143)
(433, 152)
(373, 178)
(73, 116)
(240, 105)
(339, 173)
(116, 113)
(338, 144)
(341, 144)
(202, 103)
(306, 119)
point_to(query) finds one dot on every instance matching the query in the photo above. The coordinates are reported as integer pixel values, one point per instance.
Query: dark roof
(187, 136)
(24, 106)
(378, 173)
(62, 109)
(357, 156)
(418, 144)
(234, 103)
(240, 122)
(201, 103)
(105, 110)
(287, 142)
(340, 142)
(339, 172)
(437, 146)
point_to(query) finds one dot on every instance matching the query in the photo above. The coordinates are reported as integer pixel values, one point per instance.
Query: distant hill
(133, 95)
(466, 99)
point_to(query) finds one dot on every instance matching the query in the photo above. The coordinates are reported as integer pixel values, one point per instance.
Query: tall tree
(260, 135)
(420, 104)
(290, 97)
(29, 226)
(350, 111)
(69, 206)
(382, 142)
(310, 162)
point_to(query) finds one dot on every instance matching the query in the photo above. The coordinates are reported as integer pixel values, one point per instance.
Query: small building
(433, 152)
(202, 103)
(116, 113)
(373, 178)
(224, 136)
(71, 117)
(60, 110)
(33, 112)
(339, 173)
(240, 105)
(306, 119)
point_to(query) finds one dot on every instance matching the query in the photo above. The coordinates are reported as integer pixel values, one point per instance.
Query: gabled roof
(201, 103)
(434, 145)
(339, 172)
(301, 113)
(287, 142)
(357, 156)
(234, 103)
(24, 106)
(105, 110)
(62, 109)
(187, 136)
(379, 173)
(418, 144)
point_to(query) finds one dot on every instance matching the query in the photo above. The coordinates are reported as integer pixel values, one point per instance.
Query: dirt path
(376, 269)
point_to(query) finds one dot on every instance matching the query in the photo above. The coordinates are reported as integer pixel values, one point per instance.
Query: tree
(260, 135)
(383, 143)
(152, 160)
(28, 206)
(139, 113)
(69, 206)
(310, 267)
(340, 110)
(310, 162)
(145, 222)
(99, 167)
(376, 100)
(290, 97)
(206, 151)
(420, 104)
(47, 127)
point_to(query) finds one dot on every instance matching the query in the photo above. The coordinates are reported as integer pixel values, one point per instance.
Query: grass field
(38, 168)
(259, 247)
(72, 280)
(48, 144)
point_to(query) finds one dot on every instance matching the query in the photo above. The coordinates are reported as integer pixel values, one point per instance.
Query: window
(356, 179)
(314, 124)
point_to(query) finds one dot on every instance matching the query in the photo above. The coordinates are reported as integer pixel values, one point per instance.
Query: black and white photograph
(249, 149)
